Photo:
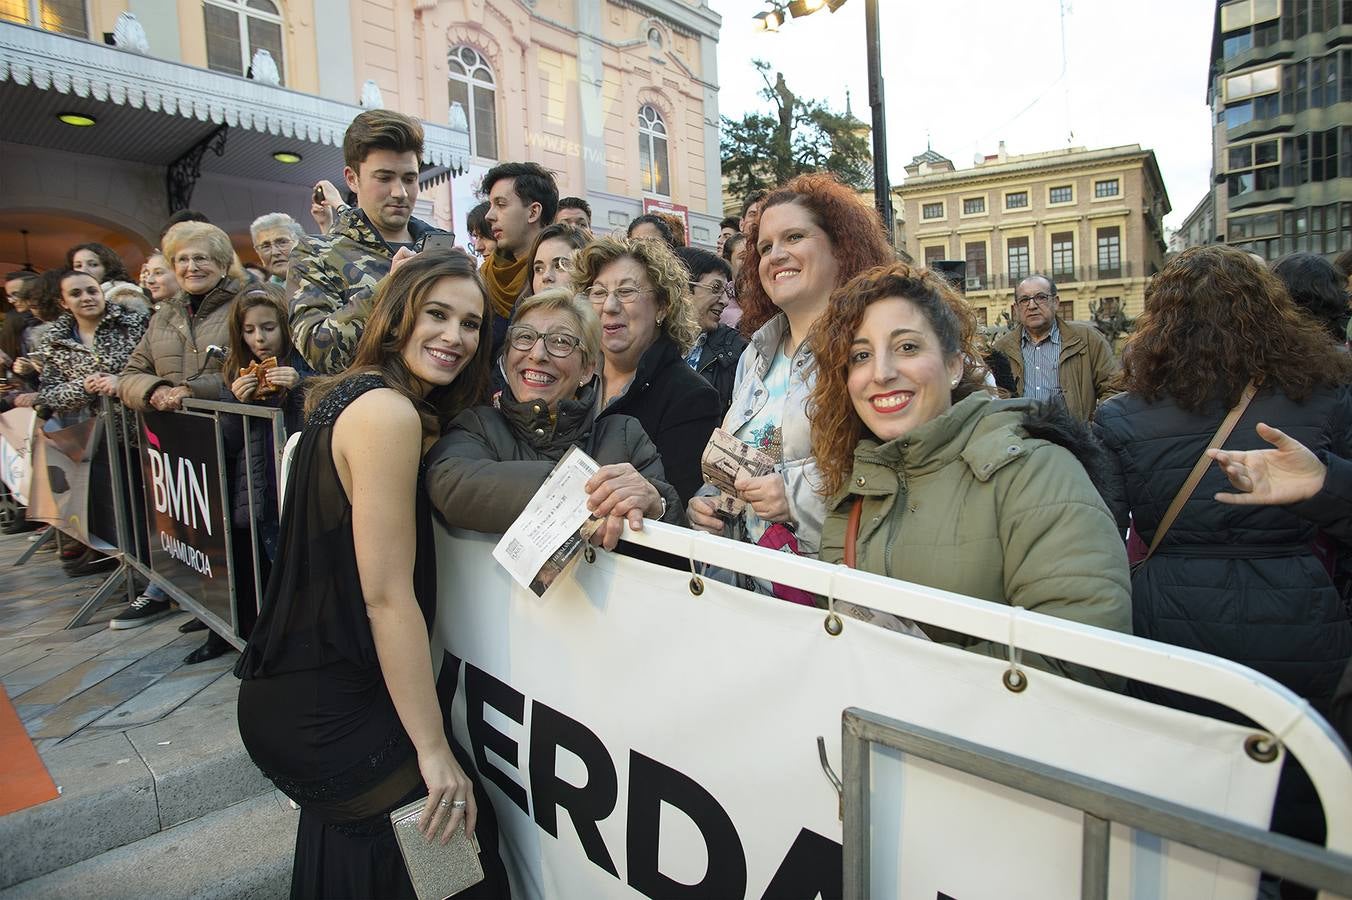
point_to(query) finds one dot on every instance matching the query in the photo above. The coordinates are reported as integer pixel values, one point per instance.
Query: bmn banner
(185, 509)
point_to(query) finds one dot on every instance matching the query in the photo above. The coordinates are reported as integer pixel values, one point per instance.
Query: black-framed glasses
(714, 287)
(559, 344)
(1040, 298)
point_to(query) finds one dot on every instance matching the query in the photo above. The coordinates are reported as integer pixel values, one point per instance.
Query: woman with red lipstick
(954, 489)
(813, 235)
(493, 459)
(338, 706)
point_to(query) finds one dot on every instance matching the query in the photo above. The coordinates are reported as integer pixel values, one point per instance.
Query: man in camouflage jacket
(331, 282)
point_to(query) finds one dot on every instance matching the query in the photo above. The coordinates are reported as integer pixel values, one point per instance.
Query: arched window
(473, 87)
(237, 28)
(652, 152)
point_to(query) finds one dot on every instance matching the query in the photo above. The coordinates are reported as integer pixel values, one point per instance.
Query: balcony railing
(999, 281)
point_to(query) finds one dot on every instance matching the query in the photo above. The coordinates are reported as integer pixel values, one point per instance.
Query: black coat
(1240, 582)
(718, 363)
(677, 408)
(260, 448)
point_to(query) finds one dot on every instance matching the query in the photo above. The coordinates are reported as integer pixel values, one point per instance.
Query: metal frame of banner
(129, 519)
(1289, 719)
(1100, 803)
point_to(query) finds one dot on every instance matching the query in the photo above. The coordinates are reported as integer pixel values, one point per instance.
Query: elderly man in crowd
(275, 235)
(1054, 359)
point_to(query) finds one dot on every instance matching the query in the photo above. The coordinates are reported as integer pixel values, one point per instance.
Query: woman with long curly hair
(813, 235)
(955, 489)
(641, 293)
(1240, 582)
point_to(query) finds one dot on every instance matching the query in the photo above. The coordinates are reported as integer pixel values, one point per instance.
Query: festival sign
(638, 740)
(185, 507)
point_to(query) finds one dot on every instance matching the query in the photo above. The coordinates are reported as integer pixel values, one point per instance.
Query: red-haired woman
(956, 490)
(1240, 582)
(814, 234)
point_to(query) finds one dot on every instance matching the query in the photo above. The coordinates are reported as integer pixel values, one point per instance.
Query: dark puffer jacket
(260, 458)
(677, 408)
(1240, 582)
(718, 363)
(492, 460)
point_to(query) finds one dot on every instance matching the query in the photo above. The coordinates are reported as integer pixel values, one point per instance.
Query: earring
(956, 380)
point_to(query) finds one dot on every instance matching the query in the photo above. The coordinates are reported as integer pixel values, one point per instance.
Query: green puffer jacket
(973, 503)
(331, 283)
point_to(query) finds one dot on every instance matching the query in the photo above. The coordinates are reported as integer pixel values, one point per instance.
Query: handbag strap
(1199, 468)
(852, 530)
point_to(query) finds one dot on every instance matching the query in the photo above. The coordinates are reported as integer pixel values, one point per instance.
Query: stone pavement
(144, 749)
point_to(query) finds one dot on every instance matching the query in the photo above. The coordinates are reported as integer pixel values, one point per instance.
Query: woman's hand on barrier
(445, 781)
(283, 377)
(25, 401)
(766, 495)
(166, 398)
(619, 490)
(700, 512)
(1288, 473)
(244, 387)
(102, 383)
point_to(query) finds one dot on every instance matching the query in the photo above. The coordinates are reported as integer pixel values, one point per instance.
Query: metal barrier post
(1101, 802)
(856, 843)
(48, 535)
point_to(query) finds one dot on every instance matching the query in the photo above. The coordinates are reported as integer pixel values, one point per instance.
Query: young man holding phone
(333, 277)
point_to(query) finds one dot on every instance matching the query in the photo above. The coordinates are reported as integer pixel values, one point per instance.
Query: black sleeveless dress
(314, 712)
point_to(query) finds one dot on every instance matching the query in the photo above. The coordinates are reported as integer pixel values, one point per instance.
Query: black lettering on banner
(480, 689)
(650, 785)
(942, 896)
(586, 805)
(813, 867)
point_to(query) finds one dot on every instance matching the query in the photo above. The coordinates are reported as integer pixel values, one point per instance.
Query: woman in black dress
(338, 706)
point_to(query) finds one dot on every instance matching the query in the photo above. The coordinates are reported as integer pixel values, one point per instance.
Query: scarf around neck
(505, 280)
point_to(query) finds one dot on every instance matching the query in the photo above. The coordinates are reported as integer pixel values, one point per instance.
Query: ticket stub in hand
(725, 458)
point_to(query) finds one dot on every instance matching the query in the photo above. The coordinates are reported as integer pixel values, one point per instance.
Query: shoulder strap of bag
(1199, 469)
(852, 530)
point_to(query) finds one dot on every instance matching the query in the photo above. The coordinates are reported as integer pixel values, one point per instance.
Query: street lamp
(772, 19)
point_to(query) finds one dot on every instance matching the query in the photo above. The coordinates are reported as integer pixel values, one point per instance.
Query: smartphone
(439, 241)
(319, 194)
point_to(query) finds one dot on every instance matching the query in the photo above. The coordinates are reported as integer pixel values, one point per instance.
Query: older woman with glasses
(493, 459)
(641, 293)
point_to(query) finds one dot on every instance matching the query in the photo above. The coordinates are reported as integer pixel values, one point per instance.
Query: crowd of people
(1032, 470)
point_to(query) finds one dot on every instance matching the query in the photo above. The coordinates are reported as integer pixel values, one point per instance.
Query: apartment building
(1280, 91)
(1091, 219)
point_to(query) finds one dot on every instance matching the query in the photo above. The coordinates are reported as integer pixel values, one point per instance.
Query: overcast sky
(966, 74)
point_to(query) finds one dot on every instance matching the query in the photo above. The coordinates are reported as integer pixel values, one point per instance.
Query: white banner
(636, 740)
(16, 440)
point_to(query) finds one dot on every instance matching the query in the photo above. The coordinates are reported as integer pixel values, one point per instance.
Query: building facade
(1090, 219)
(1280, 91)
(237, 107)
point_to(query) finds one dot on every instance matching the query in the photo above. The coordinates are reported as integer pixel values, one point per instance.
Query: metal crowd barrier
(126, 437)
(1101, 804)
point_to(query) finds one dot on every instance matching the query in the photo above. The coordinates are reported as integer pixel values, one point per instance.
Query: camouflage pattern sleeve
(316, 293)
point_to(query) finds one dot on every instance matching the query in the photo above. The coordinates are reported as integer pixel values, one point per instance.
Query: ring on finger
(443, 802)
(459, 804)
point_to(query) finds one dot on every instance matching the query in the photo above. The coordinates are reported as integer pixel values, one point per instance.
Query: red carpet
(24, 781)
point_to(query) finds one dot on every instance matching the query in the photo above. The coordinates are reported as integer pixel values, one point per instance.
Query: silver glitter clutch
(437, 872)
